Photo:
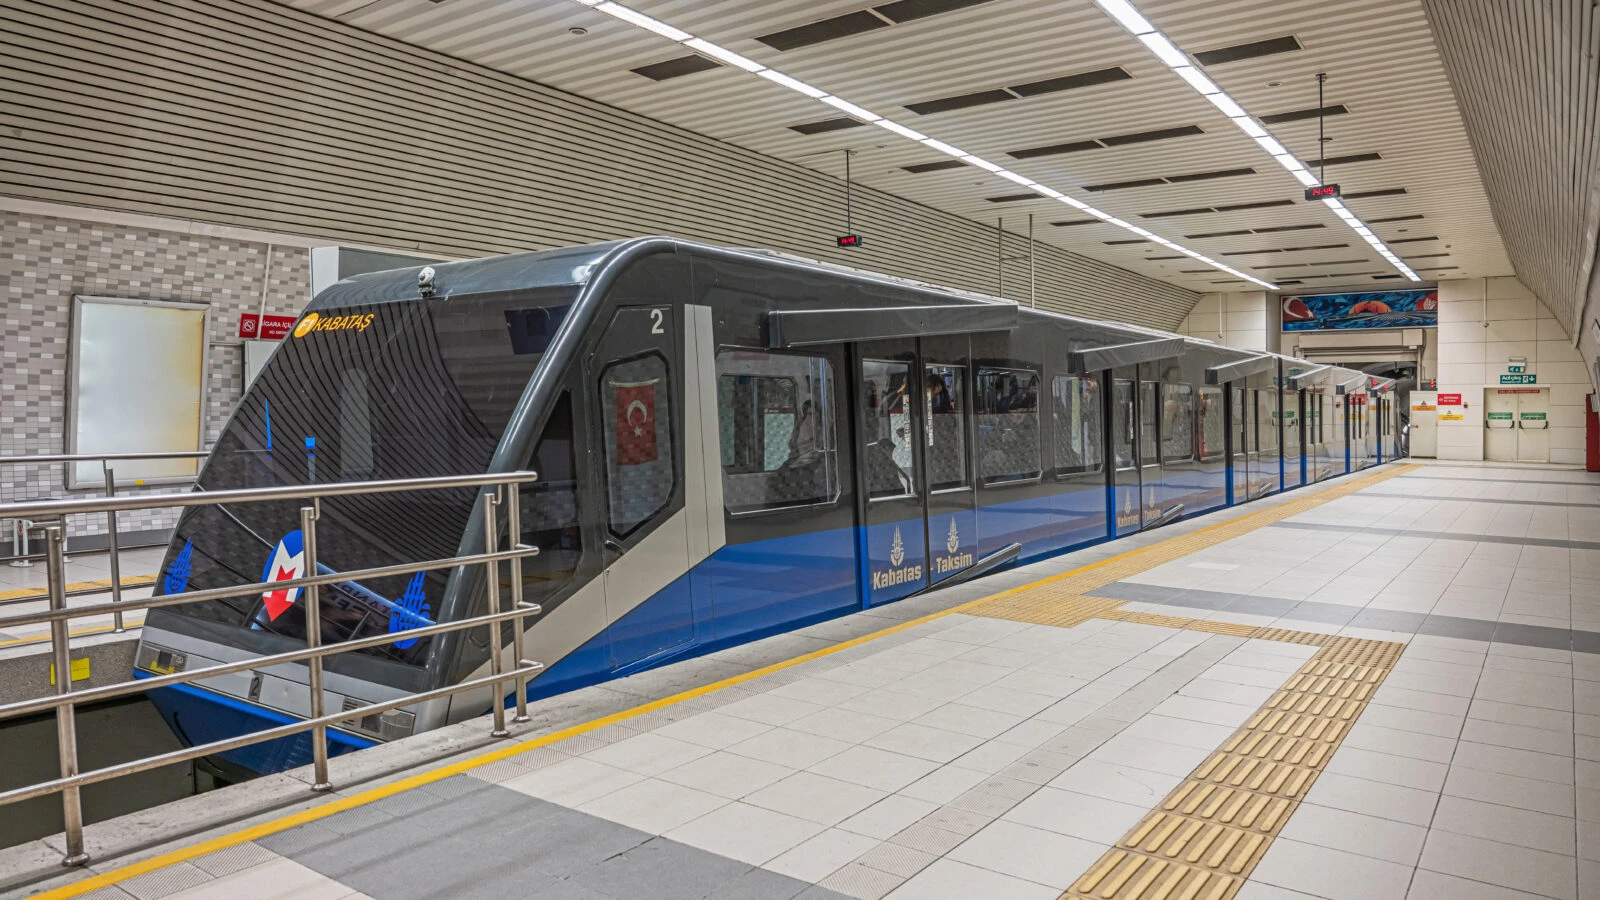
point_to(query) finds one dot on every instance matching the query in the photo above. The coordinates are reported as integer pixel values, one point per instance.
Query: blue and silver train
(730, 444)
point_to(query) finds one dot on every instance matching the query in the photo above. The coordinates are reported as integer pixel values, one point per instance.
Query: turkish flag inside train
(636, 422)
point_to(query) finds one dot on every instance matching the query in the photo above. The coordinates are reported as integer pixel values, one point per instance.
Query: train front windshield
(393, 390)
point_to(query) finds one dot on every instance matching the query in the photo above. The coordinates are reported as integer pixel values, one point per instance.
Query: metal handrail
(112, 533)
(65, 700)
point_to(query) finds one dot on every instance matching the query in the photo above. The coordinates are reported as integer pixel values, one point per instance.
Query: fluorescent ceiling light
(1249, 126)
(1122, 10)
(1305, 177)
(1164, 49)
(850, 109)
(899, 129)
(1271, 145)
(1225, 103)
(777, 77)
(1126, 15)
(1197, 81)
(619, 11)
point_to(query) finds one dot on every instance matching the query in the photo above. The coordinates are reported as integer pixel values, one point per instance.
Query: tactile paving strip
(1204, 839)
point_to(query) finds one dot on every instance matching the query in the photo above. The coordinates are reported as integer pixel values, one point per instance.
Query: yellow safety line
(105, 583)
(370, 795)
(98, 629)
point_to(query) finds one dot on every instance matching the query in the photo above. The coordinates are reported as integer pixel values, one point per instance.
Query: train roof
(579, 265)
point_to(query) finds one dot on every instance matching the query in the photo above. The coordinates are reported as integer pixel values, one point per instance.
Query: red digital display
(1323, 192)
(850, 240)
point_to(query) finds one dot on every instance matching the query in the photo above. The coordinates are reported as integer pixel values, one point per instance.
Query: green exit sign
(1516, 369)
(1519, 379)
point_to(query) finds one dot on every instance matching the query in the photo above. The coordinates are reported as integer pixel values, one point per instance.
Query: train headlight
(161, 660)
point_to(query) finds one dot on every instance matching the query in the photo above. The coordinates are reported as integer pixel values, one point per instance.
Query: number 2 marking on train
(655, 322)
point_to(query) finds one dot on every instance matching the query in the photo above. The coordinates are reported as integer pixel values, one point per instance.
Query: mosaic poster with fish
(1379, 309)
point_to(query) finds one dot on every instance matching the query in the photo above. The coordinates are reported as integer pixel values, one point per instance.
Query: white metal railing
(51, 518)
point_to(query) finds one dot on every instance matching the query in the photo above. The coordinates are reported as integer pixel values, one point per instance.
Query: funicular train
(730, 444)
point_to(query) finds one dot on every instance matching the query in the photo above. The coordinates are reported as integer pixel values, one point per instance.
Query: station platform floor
(1384, 686)
(88, 580)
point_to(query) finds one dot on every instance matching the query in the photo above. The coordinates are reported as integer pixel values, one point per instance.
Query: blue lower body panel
(198, 716)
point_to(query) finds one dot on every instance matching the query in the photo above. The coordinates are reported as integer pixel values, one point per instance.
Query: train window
(1147, 424)
(1078, 424)
(1177, 423)
(550, 508)
(1122, 422)
(636, 415)
(887, 433)
(1212, 425)
(946, 428)
(775, 425)
(1007, 408)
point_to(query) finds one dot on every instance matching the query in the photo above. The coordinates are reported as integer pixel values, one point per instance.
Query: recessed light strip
(1165, 50)
(728, 57)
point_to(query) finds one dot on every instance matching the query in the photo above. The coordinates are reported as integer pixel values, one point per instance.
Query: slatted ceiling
(960, 101)
(1526, 79)
(167, 107)
(1381, 54)
(1412, 240)
(1406, 218)
(1278, 228)
(1056, 149)
(1069, 82)
(911, 10)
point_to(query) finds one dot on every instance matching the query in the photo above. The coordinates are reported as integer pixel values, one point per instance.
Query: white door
(1500, 425)
(1533, 426)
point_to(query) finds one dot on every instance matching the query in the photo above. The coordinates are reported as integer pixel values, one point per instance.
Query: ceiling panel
(1379, 55)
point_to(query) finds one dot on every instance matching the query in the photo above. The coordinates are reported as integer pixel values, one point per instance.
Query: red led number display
(1322, 192)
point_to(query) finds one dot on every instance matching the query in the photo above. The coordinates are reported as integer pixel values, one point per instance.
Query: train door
(892, 441)
(637, 369)
(947, 404)
(1125, 493)
(1239, 444)
(1267, 438)
(1149, 432)
(1294, 461)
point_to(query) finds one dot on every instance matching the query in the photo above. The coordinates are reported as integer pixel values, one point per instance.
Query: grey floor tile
(1518, 868)
(299, 839)
(666, 869)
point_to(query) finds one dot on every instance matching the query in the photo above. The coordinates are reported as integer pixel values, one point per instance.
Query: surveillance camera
(425, 277)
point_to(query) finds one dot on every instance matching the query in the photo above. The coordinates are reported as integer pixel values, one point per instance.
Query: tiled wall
(1236, 319)
(1483, 322)
(48, 259)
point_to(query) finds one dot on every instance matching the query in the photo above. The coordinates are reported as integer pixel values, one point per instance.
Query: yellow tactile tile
(1202, 841)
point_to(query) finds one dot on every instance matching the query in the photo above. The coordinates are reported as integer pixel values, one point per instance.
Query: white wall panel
(248, 113)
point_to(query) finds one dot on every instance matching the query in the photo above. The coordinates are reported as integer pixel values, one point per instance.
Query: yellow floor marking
(1208, 834)
(1116, 563)
(102, 583)
(82, 632)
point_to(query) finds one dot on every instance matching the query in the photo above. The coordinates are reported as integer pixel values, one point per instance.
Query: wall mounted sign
(1451, 417)
(254, 327)
(1519, 379)
(1449, 399)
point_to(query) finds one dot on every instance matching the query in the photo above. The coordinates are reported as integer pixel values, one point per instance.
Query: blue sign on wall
(1378, 309)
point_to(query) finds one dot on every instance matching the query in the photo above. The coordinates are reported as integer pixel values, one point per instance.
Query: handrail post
(491, 543)
(518, 637)
(319, 734)
(66, 722)
(111, 542)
